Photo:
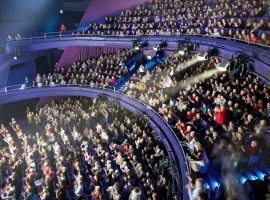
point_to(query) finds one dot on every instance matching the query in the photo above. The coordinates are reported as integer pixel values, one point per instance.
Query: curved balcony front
(258, 54)
(174, 149)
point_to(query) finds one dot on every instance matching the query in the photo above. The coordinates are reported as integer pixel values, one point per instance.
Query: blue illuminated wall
(26, 16)
(19, 71)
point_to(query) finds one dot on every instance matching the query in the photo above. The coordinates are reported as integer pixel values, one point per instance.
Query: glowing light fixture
(182, 51)
(202, 56)
(160, 46)
(223, 65)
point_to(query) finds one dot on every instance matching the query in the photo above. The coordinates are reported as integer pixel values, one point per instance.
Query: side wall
(18, 72)
(13, 71)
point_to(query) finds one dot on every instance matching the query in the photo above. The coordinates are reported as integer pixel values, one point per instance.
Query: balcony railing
(59, 35)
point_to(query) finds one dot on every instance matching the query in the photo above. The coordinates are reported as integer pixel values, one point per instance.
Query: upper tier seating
(246, 20)
(104, 71)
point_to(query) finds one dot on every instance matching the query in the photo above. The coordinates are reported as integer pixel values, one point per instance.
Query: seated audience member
(135, 194)
(194, 190)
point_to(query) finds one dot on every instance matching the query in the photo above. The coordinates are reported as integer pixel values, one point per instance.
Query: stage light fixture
(148, 57)
(137, 45)
(16, 55)
(61, 11)
(22, 87)
(202, 55)
(207, 54)
(160, 46)
(181, 43)
(182, 50)
(223, 65)
(184, 47)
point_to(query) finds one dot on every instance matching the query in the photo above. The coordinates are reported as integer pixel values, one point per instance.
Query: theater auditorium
(134, 100)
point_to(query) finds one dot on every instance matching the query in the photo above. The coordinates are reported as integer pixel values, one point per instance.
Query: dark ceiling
(20, 16)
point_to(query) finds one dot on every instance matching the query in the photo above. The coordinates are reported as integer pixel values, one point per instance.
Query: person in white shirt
(75, 134)
(79, 189)
(135, 194)
(195, 190)
(167, 82)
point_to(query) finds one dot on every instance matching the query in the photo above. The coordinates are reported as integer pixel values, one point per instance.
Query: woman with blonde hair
(196, 157)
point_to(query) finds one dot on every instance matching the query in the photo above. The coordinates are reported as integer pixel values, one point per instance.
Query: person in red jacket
(253, 38)
(191, 114)
(63, 28)
(112, 81)
(252, 148)
(220, 115)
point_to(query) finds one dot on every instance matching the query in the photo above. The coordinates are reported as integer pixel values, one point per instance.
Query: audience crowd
(80, 148)
(89, 149)
(103, 71)
(222, 121)
(246, 20)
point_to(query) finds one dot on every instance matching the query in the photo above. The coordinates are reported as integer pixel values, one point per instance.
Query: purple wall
(98, 9)
(73, 54)
(149, 52)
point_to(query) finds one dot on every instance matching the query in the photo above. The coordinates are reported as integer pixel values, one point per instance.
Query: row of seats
(222, 122)
(78, 148)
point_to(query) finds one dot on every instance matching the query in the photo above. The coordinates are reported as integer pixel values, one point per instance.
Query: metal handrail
(24, 86)
(180, 144)
(76, 35)
(188, 168)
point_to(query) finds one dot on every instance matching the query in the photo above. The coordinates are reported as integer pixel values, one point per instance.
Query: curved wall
(170, 141)
(259, 56)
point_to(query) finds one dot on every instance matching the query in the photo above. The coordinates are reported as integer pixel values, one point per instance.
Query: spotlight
(223, 65)
(22, 87)
(182, 50)
(158, 47)
(206, 54)
(155, 48)
(181, 43)
(184, 47)
(202, 56)
(16, 55)
(61, 11)
(149, 57)
(137, 45)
